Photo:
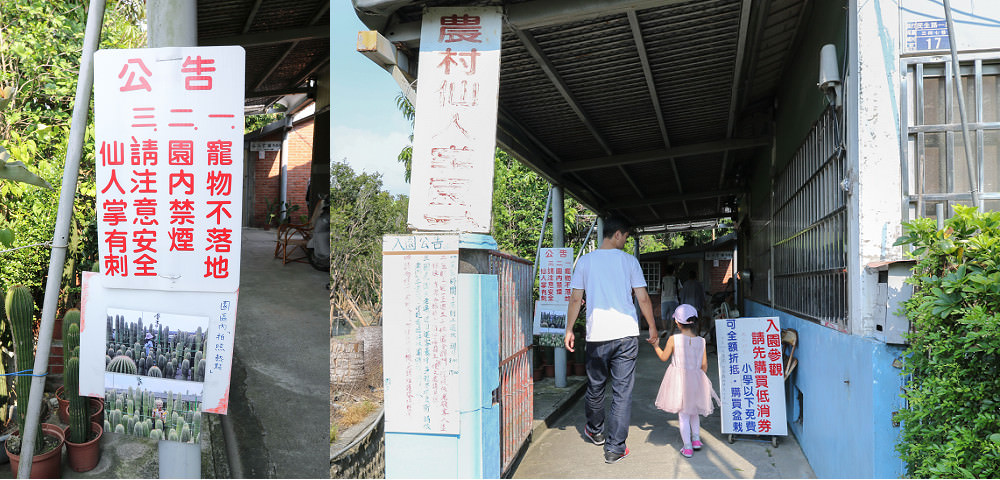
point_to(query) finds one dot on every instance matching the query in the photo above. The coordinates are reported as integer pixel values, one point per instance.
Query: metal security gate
(516, 384)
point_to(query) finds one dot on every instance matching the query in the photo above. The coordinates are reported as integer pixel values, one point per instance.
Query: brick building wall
(718, 276)
(267, 173)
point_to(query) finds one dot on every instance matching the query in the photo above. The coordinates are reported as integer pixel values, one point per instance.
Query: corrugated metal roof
(622, 164)
(286, 42)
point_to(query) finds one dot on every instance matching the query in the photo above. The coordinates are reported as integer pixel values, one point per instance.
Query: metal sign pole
(174, 24)
(57, 259)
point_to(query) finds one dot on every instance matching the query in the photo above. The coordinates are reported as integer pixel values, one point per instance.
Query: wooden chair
(292, 237)
(789, 340)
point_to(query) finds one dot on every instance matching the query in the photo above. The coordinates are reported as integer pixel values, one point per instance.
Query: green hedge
(951, 428)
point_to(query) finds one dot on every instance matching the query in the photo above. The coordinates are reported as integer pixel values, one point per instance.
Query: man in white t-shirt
(610, 277)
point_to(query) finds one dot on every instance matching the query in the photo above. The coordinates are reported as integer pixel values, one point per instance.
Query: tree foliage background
(951, 428)
(360, 214)
(40, 46)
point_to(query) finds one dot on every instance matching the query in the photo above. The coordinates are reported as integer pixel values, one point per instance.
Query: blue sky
(368, 130)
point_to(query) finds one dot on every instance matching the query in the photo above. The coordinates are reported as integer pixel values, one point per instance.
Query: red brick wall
(300, 144)
(718, 276)
(267, 173)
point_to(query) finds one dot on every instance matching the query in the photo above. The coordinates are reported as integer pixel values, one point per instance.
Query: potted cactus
(46, 460)
(83, 448)
(72, 316)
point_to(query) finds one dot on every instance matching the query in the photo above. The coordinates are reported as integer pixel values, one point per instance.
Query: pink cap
(685, 314)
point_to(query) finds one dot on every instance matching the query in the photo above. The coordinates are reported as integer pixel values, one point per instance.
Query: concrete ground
(279, 393)
(559, 450)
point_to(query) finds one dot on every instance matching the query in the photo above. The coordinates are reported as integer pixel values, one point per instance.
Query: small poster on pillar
(168, 142)
(555, 270)
(454, 133)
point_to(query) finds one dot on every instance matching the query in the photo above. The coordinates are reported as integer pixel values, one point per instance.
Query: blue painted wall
(849, 390)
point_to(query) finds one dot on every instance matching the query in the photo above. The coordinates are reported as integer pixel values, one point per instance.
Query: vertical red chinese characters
(454, 131)
(169, 140)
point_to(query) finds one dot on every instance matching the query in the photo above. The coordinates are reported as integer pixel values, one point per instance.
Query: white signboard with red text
(555, 270)
(751, 376)
(169, 154)
(160, 316)
(454, 134)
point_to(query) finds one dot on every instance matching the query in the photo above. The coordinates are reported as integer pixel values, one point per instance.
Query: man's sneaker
(687, 452)
(696, 444)
(597, 438)
(611, 457)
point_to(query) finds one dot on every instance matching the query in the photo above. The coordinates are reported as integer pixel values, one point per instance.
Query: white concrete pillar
(872, 105)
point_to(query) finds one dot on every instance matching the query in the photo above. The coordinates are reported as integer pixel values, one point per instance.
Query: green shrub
(951, 427)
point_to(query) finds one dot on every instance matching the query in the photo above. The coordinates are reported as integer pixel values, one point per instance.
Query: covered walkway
(279, 386)
(561, 450)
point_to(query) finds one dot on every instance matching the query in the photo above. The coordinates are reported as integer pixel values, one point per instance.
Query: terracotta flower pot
(539, 373)
(63, 404)
(83, 457)
(580, 369)
(97, 407)
(46, 465)
(550, 370)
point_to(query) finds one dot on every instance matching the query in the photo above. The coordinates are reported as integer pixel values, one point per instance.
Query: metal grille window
(806, 241)
(935, 170)
(651, 272)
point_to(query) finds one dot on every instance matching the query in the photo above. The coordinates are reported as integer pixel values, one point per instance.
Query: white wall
(873, 103)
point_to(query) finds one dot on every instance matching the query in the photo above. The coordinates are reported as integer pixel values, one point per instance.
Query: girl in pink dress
(686, 389)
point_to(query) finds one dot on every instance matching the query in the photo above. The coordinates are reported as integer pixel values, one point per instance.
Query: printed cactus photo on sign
(167, 346)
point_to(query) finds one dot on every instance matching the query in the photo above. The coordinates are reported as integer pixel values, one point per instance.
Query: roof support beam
(514, 138)
(672, 198)
(536, 52)
(657, 155)
(734, 96)
(252, 16)
(532, 14)
(270, 38)
(640, 46)
(274, 66)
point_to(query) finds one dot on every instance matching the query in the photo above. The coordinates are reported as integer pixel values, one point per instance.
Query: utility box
(891, 291)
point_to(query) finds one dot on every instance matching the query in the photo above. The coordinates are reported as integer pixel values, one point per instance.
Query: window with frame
(934, 165)
(651, 272)
(798, 246)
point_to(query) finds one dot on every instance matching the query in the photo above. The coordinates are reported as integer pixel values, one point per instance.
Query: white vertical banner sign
(454, 133)
(751, 376)
(420, 334)
(169, 147)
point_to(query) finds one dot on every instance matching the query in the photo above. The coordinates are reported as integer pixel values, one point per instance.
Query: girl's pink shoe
(696, 444)
(687, 452)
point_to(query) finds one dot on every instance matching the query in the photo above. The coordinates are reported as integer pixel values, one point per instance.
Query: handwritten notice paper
(420, 333)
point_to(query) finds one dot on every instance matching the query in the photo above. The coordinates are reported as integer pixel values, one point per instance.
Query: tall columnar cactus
(79, 414)
(185, 368)
(71, 317)
(20, 313)
(199, 373)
